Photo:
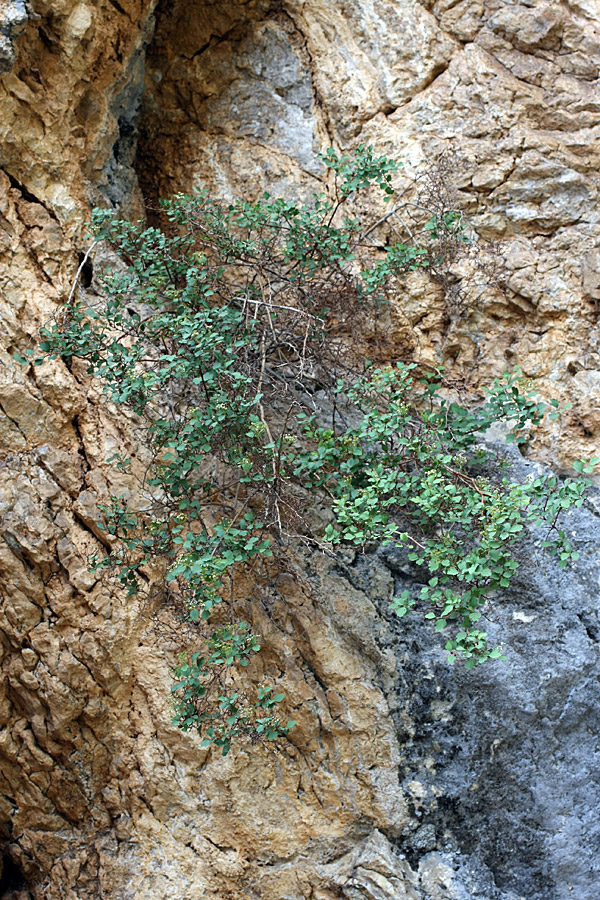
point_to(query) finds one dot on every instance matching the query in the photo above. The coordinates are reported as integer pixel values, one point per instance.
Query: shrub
(220, 332)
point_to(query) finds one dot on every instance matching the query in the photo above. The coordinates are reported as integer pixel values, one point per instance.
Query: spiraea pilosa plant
(219, 332)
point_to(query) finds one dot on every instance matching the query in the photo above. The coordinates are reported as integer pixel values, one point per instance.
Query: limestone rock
(404, 778)
(13, 16)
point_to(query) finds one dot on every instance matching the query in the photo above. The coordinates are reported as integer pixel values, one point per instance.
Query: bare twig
(80, 270)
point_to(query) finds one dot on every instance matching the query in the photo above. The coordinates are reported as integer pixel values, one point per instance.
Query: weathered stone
(13, 16)
(404, 778)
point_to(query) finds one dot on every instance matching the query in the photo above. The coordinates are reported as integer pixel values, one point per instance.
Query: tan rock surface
(99, 795)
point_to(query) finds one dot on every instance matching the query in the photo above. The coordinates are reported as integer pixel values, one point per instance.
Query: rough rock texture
(505, 769)
(13, 16)
(404, 778)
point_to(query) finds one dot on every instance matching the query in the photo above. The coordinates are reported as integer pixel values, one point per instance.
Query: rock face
(503, 767)
(404, 778)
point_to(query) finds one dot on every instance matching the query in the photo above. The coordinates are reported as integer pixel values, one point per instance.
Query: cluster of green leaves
(361, 170)
(215, 330)
(234, 716)
(407, 475)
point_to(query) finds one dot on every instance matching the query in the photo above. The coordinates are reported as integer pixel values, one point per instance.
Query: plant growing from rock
(220, 333)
